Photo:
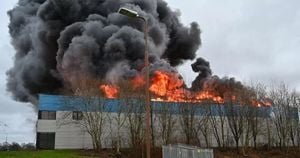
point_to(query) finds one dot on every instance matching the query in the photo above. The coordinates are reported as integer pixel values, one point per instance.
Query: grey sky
(250, 40)
(19, 117)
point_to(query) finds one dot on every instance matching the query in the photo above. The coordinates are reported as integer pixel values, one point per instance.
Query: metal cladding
(75, 103)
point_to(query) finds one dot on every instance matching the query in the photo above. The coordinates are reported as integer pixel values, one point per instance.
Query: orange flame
(169, 87)
(205, 95)
(110, 91)
(265, 102)
(163, 83)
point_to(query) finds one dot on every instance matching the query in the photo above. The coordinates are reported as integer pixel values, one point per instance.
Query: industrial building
(59, 117)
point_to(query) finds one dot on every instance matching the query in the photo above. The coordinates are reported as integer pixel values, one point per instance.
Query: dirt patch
(258, 153)
(218, 153)
(125, 153)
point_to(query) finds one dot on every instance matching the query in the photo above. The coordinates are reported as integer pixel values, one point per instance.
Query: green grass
(42, 154)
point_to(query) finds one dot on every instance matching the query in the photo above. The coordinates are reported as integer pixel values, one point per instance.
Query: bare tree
(236, 111)
(93, 122)
(202, 124)
(117, 121)
(293, 118)
(166, 122)
(253, 124)
(281, 113)
(218, 122)
(235, 121)
(136, 119)
(269, 132)
(254, 119)
(89, 108)
(187, 121)
(296, 102)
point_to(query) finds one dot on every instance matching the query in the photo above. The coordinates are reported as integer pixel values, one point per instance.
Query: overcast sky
(255, 40)
(19, 117)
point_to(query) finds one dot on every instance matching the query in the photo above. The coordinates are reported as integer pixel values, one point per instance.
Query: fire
(164, 83)
(110, 91)
(205, 95)
(169, 87)
(264, 102)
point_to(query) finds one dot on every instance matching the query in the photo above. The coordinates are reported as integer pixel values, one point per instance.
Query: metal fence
(184, 151)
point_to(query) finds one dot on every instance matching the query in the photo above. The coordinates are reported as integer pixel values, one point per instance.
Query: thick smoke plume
(58, 40)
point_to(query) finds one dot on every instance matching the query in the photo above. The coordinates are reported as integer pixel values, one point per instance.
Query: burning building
(62, 122)
(60, 42)
(61, 118)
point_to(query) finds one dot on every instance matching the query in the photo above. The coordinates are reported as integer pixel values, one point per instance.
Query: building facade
(61, 122)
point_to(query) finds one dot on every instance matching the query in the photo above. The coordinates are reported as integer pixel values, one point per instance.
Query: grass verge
(42, 154)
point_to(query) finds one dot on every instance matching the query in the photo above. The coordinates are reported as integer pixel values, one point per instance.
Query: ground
(43, 154)
(261, 153)
(108, 153)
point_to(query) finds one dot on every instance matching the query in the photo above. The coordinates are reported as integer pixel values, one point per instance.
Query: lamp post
(134, 14)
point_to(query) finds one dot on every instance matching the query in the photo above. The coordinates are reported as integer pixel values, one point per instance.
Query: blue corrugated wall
(73, 103)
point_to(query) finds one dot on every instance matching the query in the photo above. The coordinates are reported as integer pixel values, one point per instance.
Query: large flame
(169, 87)
(165, 85)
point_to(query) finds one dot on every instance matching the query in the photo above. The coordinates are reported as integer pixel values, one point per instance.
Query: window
(77, 115)
(45, 140)
(47, 115)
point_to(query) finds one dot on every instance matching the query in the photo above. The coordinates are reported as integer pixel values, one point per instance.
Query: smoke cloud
(58, 40)
(202, 67)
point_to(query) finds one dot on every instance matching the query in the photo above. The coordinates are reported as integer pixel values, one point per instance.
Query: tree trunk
(237, 145)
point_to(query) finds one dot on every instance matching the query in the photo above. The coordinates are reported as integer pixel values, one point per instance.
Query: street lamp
(134, 14)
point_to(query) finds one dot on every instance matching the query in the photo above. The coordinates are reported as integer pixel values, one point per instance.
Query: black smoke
(202, 67)
(57, 41)
(224, 87)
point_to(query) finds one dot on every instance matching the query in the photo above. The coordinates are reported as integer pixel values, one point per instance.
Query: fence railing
(185, 151)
